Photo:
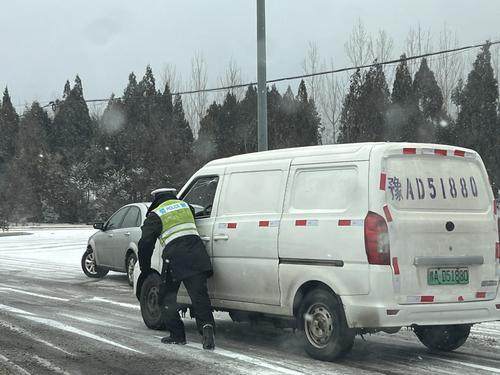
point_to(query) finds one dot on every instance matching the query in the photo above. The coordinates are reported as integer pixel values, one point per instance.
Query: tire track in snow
(32, 336)
(16, 368)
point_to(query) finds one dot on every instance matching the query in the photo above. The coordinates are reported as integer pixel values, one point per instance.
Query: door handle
(127, 234)
(110, 235)
(221, 237)
(205, 238)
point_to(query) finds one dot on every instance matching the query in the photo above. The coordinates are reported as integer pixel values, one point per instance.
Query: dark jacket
(187, 255)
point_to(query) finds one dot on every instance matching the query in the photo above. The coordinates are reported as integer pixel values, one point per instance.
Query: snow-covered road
(53, 319)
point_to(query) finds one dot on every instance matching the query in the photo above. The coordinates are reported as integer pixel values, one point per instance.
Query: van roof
(361, 149)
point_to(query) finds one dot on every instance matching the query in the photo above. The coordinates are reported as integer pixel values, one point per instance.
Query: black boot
(174, 340)
(208, 337)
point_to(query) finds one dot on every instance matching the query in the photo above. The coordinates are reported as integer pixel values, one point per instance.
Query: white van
(345, 239)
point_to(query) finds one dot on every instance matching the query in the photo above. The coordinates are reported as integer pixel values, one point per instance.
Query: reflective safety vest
(176, 219)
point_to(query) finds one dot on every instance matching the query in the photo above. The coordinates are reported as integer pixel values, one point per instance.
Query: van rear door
(443, 232)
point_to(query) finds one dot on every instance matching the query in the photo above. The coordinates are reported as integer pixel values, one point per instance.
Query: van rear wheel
(326, 334)
(444, 338)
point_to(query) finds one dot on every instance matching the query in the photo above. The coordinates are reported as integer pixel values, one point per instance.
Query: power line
(302, 76)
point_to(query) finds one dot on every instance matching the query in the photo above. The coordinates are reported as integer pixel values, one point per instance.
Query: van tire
(445, 338)
(150, 308)
(320, 309)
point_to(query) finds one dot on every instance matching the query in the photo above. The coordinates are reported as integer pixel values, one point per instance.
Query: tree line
(67, 165)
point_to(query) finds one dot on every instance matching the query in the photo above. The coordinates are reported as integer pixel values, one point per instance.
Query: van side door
(245, 240)
(322, 229)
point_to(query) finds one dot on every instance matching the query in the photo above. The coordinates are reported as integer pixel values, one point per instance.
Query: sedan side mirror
(99, 226)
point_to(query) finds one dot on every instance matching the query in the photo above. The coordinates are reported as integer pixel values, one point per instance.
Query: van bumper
(361, 314)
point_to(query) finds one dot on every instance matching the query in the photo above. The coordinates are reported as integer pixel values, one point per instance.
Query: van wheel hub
(318, 323)
(152, 301)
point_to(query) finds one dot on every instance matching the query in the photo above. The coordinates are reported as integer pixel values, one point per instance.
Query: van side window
(252, 192)
(201, 194)
(324, 189)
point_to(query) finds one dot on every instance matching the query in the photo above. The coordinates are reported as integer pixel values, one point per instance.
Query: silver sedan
(114, 246)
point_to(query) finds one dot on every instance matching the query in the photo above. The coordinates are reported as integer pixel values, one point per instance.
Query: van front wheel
(326, 334)
(150, 302)
(443, 338)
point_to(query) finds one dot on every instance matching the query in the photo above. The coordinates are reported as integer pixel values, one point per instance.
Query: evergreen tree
(363, 116)
(374, 103)
(349, 131)
(275, 119)
(430, 102)
(182, 144)
(226, 133)
(9, 126)
(72, 130)
(288, 123)
(307, 119)
(247, 132)
(405, 121)
(477, 122)
(28, 175)
(205, 147)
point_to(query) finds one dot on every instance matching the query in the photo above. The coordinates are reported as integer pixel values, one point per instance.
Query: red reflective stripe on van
(395, 265)
(264, 223)
(387, 213)
(497, 251)
(440, 152)
(459, 153)
(300, 223)
(383, 177)
(481, 295)
(344, 223)
(232, 225)
(408, 151)
(426, 299)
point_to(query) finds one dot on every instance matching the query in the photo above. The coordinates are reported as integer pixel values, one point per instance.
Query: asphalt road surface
(55, 320)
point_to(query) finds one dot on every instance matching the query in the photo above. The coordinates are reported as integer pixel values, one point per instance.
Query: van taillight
(377, 240)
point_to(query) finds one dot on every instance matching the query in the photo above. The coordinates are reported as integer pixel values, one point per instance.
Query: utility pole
(261, 77)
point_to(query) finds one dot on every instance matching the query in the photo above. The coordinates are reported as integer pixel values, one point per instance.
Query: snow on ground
(53, 245)
(49, 308)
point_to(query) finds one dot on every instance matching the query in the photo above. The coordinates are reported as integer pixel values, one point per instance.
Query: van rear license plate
(447, 276)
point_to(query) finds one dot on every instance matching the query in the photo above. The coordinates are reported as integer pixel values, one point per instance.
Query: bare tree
(358, 47)
(310, 64)
(418, 42)
(448, 67)
(231, 77)
(330, 97)
(170, 76)
(197, 102)
(381, 47)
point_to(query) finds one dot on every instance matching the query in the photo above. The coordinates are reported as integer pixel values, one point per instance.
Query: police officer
(185, 260)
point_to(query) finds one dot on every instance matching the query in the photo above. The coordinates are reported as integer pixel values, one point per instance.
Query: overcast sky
(43, 43)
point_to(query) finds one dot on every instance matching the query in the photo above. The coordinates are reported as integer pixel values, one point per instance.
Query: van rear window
(435, 183)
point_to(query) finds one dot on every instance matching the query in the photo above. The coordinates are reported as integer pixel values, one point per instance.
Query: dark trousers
(201, 307)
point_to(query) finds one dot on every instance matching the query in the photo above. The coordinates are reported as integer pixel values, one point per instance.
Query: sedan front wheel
(89, 266)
